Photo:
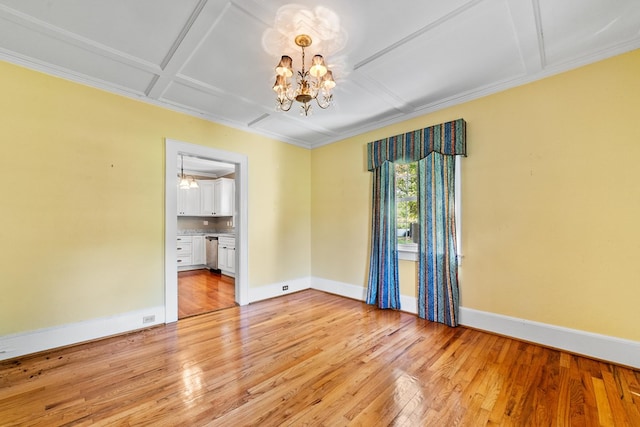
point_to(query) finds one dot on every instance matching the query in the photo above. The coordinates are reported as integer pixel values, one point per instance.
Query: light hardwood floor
(201, 291)
(311, 358)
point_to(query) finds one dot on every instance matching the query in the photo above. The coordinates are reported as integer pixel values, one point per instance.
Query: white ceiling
(402, 58)
(200, 167)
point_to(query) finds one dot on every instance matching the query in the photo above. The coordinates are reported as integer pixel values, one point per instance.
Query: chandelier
(315, 83)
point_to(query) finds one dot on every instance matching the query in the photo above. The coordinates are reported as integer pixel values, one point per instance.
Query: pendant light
(185, 181)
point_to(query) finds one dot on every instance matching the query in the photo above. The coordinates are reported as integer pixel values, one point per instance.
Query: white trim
(172, 149)
(481, 92)
(407, 255)
(275, 289)
(339, 288)
(59, 336)
(408, 304)
(603, 347)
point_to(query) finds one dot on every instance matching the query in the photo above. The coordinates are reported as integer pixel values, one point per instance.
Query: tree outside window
(407, 205)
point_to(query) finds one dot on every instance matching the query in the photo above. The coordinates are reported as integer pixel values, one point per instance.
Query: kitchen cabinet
(189, 201)
(223, 197)
(207, 190)
(227, 255)
(197, 250)
(190, 250)
(184, 250)
(213, 197)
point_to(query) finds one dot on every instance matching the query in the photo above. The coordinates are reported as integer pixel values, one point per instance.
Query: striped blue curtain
(434, 149)
(446, 138)
(438, 296)
(383, 287)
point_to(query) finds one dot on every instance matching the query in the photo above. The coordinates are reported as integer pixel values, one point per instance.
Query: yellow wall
(551, 201)
(82, 222)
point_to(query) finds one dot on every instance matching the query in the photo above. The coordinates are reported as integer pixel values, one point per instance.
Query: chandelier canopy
(315, 83)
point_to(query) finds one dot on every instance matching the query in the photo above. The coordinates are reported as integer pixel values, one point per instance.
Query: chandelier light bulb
(284, 67)
(318, 69)
(327, 81)
(280, 84)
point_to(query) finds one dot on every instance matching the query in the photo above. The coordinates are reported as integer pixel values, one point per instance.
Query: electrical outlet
(205, 222)
(149, 319)
(285, 287)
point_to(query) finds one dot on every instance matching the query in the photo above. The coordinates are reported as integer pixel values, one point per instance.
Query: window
(407, 210)
(407, 206)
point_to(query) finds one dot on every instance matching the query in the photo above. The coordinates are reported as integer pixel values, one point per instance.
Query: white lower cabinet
(197, 250)
(184, 250)
(227, 255)
(190, 250)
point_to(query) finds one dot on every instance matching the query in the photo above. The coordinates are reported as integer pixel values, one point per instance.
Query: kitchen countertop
(206, 233)
(220, 235)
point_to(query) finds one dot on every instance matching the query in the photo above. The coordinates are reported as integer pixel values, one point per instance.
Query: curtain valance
(446, 138)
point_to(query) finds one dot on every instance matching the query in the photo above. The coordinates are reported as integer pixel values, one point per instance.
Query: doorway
(173, 149)
(206, 194)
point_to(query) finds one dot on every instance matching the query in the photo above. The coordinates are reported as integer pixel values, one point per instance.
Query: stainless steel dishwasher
(212, 253)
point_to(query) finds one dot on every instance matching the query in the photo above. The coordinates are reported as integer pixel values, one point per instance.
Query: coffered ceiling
(397, 59)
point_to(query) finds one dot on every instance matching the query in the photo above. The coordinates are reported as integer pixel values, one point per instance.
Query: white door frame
(172, 149)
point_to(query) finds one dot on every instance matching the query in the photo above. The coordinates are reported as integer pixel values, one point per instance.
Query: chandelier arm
(326, 102)
(288, 102)
(288, 98)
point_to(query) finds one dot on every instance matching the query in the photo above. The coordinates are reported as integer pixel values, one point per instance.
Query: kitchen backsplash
(215, 224)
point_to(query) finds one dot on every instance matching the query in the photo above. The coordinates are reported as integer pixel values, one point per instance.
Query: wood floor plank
(202, 291)
(311, 358)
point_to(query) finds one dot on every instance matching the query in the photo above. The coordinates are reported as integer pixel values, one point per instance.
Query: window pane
(406, 201)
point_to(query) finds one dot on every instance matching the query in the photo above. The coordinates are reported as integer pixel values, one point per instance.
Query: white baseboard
(408, 304)
(603, 347)
(20, 344)
(275, 289)
(16, 345)
(339, 288)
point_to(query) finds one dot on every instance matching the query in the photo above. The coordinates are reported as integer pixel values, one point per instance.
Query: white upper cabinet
(214, 197)
(223, 197)
(189, 202)
(207, 192)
